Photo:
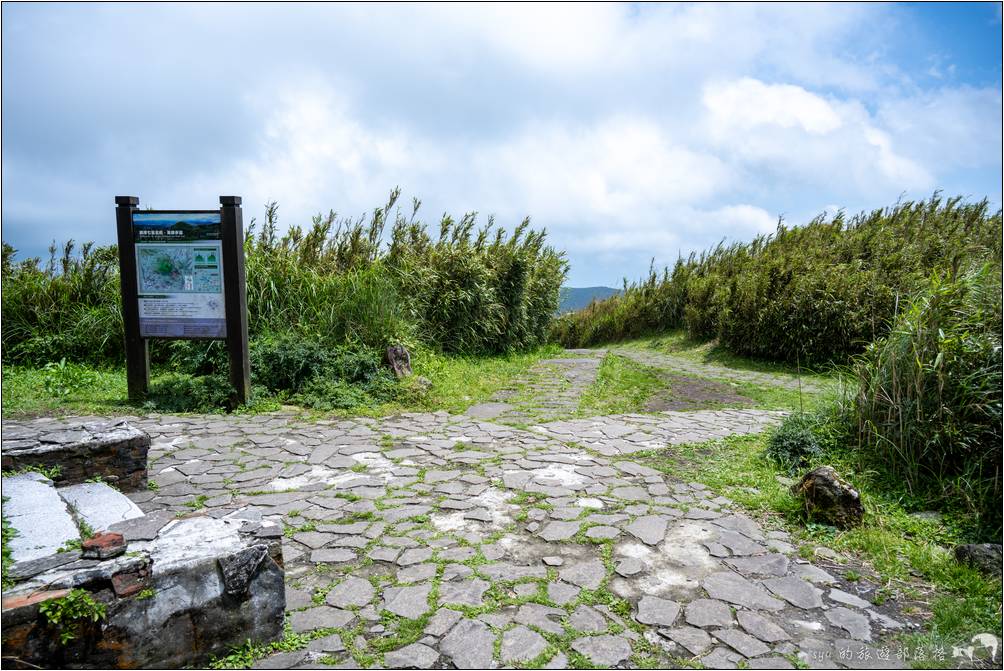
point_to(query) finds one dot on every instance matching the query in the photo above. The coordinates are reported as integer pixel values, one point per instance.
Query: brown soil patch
(694, 393)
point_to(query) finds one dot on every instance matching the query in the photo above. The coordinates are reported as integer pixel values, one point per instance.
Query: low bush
(793, 444)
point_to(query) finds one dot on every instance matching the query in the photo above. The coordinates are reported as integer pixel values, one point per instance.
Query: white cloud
(745, 104)
(629, 131)
(802, 138)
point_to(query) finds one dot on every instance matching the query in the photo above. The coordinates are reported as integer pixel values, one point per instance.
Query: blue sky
(629, 132)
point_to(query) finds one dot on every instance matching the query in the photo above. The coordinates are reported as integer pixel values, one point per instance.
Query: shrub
(68, 308)
(182, 393)
(814, 293)
(793, 444)
(928, 404)
(323, 303)
(474, 290)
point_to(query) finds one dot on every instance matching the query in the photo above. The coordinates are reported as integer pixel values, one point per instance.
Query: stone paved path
(434, 541)
(551, 390)
(680, 364)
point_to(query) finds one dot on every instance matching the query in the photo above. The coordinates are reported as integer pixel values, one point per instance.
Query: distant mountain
(576, 298)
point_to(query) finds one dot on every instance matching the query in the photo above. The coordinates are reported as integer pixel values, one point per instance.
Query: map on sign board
(179, 270)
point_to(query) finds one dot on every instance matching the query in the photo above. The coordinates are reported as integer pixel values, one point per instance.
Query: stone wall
(195, 588)
(115, 451)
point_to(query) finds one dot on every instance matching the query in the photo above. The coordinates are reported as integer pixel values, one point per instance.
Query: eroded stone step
(99, 505)
(38, 515)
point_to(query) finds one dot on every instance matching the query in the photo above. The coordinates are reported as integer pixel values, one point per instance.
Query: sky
(629, 132)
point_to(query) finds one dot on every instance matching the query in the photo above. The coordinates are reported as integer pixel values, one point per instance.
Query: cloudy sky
(629, 132)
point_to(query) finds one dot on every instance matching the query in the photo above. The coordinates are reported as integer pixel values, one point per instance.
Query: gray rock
(561, 592)
(240, 567)
(409, 602)
(553, 561)
(708, 612)
(848, 599)
(721, 658)
(478, 515)
(414, 556)
(330, 643)
(729, 587)
(603, 533)
(559, 531)
(498, 619)
(830, 498)
(631, 493)
(465, 593)
(525, 589)
(29, 569)
(884, 621)
(351, 592)
(587, 619)
(488, 410)
(604, 650)
(520, 644)
(281, 660)
(559, 661)
(742, 643)
(544, 618)
(143, 528)
(332, 556)
(629, 566)
(39, 516)
(321, 617)
(399, 361)
(313, 539)
(986, 557)
(504, 571)
(649, 529)
(657, 611)
(384, 554)
(795, 591)
(761, 627)
(855, 624)
(442, 621)
(470, 645)
(493, 551)
(695, 640)
(588, 574)
(416, 573)
(770, 565)
(812, 573)
(414, 656)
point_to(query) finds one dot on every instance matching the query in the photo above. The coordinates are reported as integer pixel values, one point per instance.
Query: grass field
(457, 382)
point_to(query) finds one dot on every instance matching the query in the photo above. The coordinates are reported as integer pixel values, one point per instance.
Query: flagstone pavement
(439, 541)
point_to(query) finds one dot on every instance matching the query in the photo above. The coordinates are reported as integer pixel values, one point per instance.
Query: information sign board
(179, 274)
(182, 276)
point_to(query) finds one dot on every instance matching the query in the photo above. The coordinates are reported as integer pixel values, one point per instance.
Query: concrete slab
(39, 516)
(99, 505)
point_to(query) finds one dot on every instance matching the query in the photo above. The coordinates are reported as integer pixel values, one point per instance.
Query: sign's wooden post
(235, 296)
(136, 350)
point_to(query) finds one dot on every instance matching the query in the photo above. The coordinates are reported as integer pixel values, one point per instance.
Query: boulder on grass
(829, 498)
(399, 360)
(986, 557)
